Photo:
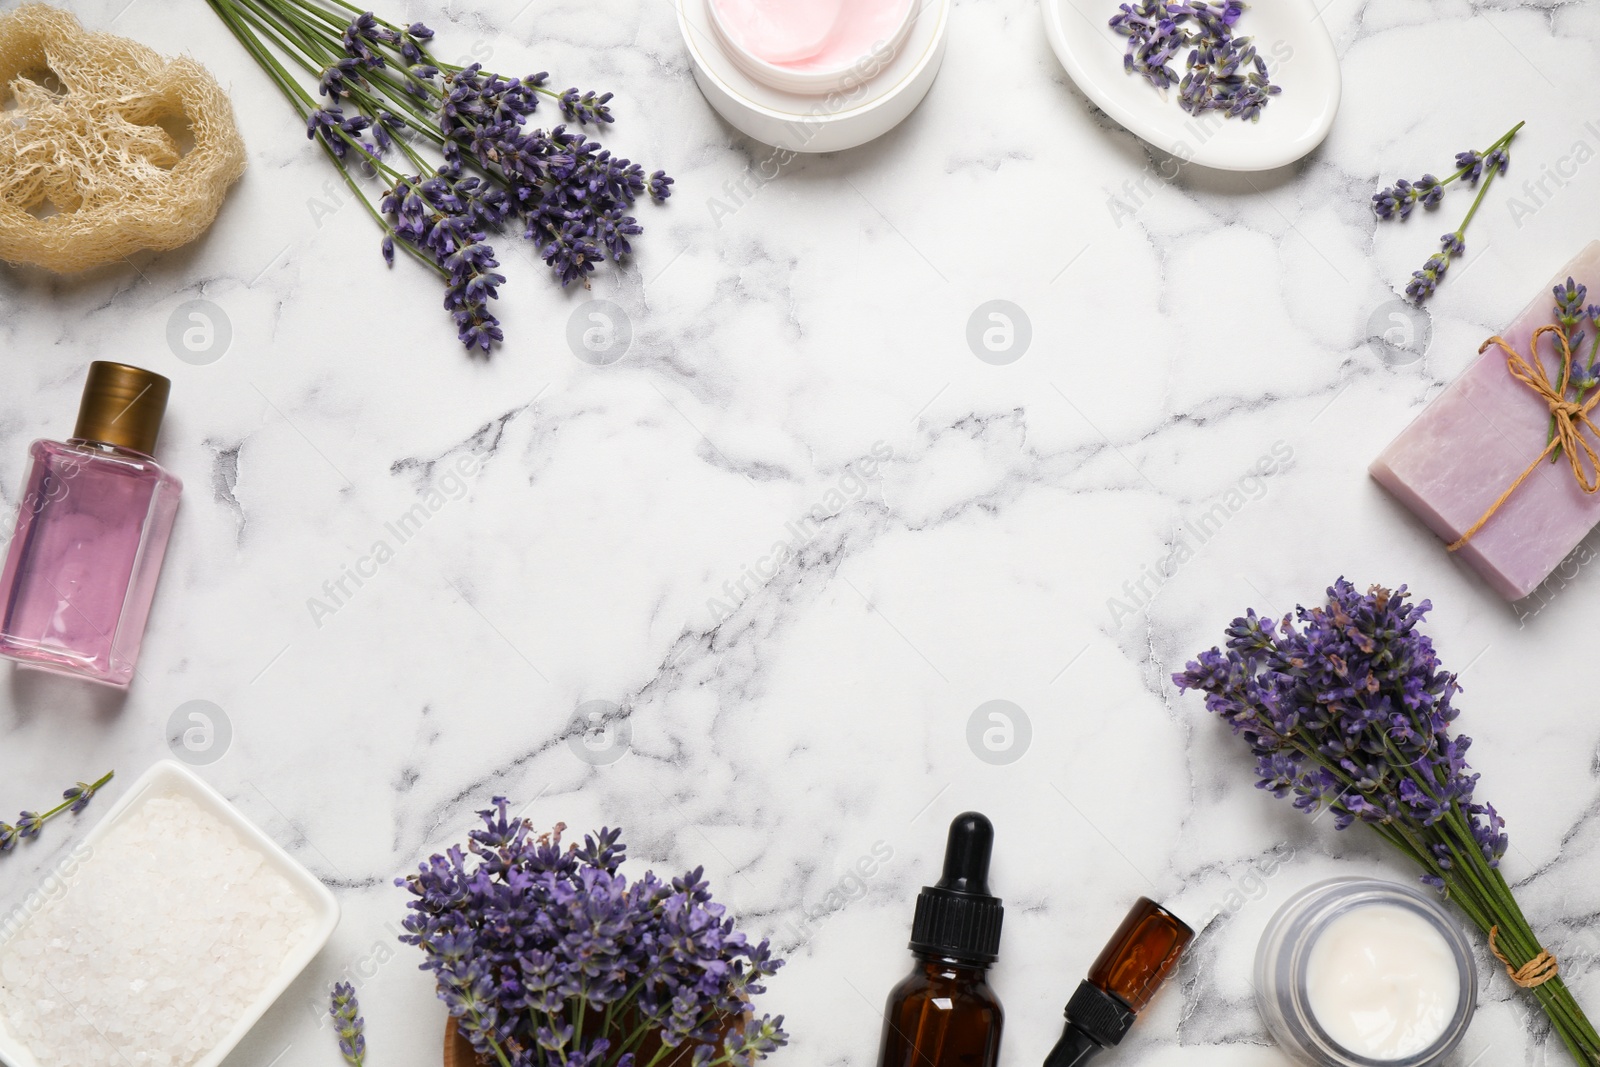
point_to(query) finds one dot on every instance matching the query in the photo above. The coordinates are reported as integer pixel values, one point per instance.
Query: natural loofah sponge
(87, 173)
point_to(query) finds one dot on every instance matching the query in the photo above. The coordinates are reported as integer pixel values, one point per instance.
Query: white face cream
(1353, 972)
(1383, 982)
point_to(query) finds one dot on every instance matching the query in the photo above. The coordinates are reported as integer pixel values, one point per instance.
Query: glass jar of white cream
(1357, 972)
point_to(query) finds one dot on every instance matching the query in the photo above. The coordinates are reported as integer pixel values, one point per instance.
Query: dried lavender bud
(8, 837)
(1453, 244)
(1223, 73)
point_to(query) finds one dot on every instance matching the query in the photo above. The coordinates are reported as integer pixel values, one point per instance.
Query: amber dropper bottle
(1139, 957)
(943, 1014)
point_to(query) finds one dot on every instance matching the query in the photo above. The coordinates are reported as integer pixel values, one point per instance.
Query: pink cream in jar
(812, 46)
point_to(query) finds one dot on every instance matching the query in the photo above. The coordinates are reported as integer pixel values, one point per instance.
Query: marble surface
(982, 532)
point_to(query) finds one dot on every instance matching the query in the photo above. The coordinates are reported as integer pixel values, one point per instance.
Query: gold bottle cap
(122, 406)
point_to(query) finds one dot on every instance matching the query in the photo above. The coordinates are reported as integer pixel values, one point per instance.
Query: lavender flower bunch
(1400, 199)
(1222, 72)
(29, 823)
(452, 147)
(1350, 711)
(549, 956)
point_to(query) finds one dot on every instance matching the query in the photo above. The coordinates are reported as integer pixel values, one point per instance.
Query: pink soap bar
(1453, 462)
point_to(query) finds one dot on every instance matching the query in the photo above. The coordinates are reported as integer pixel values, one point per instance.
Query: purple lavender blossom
(586, 108)
(1570, 302)
(542, 951)
(389, 99)
(345, 1010)
(1404, 195)
(29, 823)
(1350, 712)
(572, 197)
(1584, 376)
(79, 795)
(1425, 281)
(1470, 165)
(337, 76)
(1398, 200)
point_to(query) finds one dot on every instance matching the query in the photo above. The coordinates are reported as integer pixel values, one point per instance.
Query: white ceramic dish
(1288, 34)
(870, 106)
(806, 80)
(173, 779)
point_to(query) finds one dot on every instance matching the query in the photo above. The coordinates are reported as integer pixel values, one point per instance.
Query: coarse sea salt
(167, 934)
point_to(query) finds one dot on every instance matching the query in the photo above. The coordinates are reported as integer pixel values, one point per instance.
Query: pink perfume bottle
(91, 531)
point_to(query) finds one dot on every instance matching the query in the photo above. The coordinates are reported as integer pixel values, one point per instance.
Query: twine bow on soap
(1536, 972)
(1568, 417)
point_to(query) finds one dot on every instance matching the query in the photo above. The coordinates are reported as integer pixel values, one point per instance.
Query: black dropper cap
(957, 918)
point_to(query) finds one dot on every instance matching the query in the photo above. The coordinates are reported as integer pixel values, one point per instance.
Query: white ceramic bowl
(876, 99)
(1289, 34)
(173, 779)
(807, 80)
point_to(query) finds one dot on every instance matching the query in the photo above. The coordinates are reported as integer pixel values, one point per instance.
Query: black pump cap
(957, 918)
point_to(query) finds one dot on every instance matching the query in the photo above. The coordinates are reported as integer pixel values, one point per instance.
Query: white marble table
(808, 350)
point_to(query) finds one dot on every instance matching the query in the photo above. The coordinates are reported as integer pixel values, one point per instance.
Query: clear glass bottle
(90, 535)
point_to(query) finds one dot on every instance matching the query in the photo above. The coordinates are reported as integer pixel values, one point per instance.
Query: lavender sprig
(29, 823)
(1577, 319)
(453, 147)
(549, 956)
(1399, 200)
(1222, 72)
(1347, 709)
(345, 1009)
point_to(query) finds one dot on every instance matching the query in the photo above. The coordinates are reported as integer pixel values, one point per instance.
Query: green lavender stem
(31, 822)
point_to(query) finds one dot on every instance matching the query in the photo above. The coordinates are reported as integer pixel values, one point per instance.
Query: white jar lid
(868, 102)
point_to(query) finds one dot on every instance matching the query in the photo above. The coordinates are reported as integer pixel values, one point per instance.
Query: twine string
(1536, 972)
(1569, 417)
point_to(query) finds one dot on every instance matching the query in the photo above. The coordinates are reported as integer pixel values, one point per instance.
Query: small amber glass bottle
(943, 1014)
(1141, 954)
